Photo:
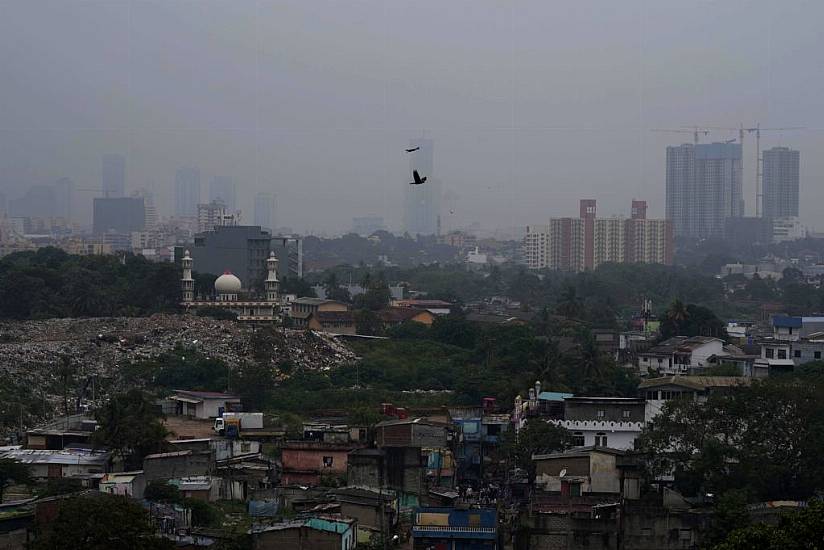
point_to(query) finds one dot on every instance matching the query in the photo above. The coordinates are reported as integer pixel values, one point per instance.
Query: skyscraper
(122, 215)
(780, 180)
(187, 191)
(63, 196)
(422, 203)
(148, 205)
(264, 214)
(703, 188)
(114, 176)
(222, 189)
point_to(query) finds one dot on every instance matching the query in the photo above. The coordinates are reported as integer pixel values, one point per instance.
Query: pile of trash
(31, 352)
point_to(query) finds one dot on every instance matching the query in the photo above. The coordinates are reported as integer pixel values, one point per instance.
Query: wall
(613, 412)
(699, 355)
(604, 476)
(168, 467)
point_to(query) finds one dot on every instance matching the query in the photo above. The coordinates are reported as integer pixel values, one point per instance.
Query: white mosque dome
(227, 284)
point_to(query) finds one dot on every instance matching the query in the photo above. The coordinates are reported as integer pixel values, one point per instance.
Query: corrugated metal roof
(69, 457)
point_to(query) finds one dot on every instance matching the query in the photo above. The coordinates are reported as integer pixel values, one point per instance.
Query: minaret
(272, 284)
(187, 284)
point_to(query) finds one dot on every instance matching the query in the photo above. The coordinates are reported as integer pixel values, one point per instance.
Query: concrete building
(658, 391)
(333, 322)
(113, 176)
(187, 191)
(603, 421)
(119, 215)
(222, 189)
(588, 470)
(422, 203)
(215, 214)
(264, 211)
(178, 464)
(240, 249)
(780, 178)
(681, 355)
(455, 529)
(130, 484)
(302, 309)
(704, 188)
(578, 244)
(308, 462)
(795, 328)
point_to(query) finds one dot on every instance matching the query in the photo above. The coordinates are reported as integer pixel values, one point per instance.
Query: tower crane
(759, 162)
(695, 131)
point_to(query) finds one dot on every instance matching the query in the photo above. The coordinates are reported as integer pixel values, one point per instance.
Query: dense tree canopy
(130, 425)
(766, 438)
(52, 283)
(99, 522)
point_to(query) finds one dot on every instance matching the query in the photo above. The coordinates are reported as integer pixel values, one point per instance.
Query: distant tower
(187, 284)
(272, 284)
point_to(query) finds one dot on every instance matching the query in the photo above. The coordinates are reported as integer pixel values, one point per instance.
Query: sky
(532, 104)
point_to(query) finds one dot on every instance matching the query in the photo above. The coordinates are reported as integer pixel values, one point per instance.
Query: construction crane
(695, 131)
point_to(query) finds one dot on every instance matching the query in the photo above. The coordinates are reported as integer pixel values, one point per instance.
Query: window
(600, 439)
(245, 447)
(327, 462)
(652, 395)
(493, 429)
(601, 414)
(769, 353)
(797, 353)
(782, 354)
(578, 439)
(817, 355)
(627, 414)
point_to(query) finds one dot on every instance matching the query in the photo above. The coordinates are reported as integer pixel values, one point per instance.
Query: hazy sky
(532, 104)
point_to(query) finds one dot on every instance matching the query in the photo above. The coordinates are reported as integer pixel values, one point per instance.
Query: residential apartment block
(578, 244)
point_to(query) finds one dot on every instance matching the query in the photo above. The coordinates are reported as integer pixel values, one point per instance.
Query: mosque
(230, 294)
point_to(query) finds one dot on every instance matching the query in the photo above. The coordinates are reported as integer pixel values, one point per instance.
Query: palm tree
(677, 312)
(569, 305)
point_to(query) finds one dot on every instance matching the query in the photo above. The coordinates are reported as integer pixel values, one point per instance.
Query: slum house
(307, 462)
(177, 464)
(478, 438)
(48, 464)
(221, 448)
(203, 405)
(400, 469)
(16, 522)
(365, 504)
(588, 470)
(130, 484)
(316, 533)
(69, 431)
(455, 529)
(203, 488)
(244, 476)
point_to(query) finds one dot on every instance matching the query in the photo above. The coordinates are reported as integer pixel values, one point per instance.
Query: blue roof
(553, 396)
(786, 322)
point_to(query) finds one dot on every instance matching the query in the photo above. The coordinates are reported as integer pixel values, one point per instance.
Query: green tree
(12, 472)
(99, 522)
(253, 382)
(368, 323)
(131, 426)
(797, 530)
(569, 304)
(536, 437)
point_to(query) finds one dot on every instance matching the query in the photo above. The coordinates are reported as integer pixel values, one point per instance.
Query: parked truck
(232, 424)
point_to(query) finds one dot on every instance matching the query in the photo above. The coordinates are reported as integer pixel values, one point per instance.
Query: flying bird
(418, 179)
(412, 150)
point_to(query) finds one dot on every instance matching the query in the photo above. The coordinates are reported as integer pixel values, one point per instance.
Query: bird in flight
(418, 179)
(413, 149)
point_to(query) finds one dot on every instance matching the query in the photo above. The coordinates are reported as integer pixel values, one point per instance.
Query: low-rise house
(478, 435)
(221, 449)
(658, 391)
(401, 469)
(203, 404)
(203, 488)
(365, 504)
(47, 464)
(307, 462)
(302, 308)
(411, 432)
(394, 316)
(437, 307)
(61, 433)
(588, 470)
(315, 533)
(794, 328)
(681, 355)
(455, 528)
(130, 484)
(177, 464)
(335, 322)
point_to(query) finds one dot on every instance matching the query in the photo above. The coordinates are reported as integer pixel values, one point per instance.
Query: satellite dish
(563, 473)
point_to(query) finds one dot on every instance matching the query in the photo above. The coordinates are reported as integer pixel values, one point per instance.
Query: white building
(679, 354)
(203, 404)
(658, 391)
